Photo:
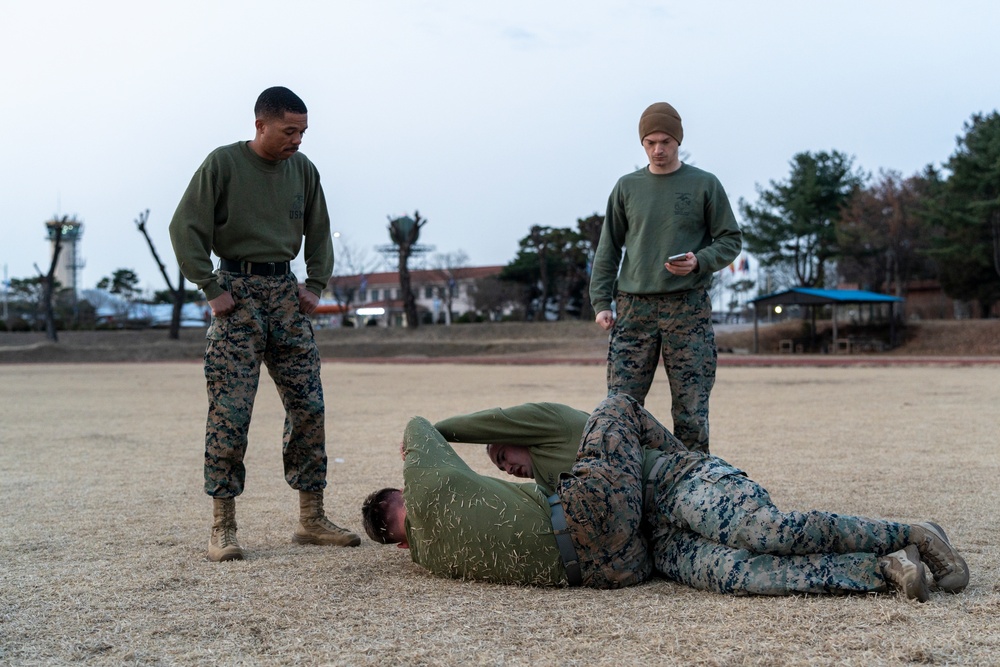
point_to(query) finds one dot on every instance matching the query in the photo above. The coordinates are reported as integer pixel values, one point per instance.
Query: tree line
(827, 223)
(884, 232)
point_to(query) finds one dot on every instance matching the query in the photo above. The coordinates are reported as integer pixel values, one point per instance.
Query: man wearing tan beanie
(669, 226)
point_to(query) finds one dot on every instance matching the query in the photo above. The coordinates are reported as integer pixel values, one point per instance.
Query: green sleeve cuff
(212, 290)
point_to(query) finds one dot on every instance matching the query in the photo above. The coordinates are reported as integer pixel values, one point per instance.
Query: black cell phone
(676, 258)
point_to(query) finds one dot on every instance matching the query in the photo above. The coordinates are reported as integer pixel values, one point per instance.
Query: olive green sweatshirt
(551, 430)
(653, 216)
(468, 526)
(245, 208)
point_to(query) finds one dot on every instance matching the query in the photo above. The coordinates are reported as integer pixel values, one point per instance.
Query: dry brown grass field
(105, 524)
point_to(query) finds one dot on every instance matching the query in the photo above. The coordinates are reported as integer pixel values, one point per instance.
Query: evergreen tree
(793, 225)
(966, 215)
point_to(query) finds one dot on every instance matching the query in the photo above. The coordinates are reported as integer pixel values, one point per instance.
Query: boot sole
(916, 587)
(918, 590)
(308, 539)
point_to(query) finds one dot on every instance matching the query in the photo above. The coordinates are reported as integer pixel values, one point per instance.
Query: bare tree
(492, 296)
(444, 265)
(881, 235)
(350, 261)
(178, 292)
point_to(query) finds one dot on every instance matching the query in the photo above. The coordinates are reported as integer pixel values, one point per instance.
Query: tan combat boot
(903, 570)
(315, 528)
(951, 573)
(223, 545)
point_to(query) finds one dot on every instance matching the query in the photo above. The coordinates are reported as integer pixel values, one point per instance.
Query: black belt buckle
(262, 268)
(247, 268)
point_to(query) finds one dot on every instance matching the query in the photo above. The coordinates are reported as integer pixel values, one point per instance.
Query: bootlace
(325, 524)
(938, 562)
(228, 537)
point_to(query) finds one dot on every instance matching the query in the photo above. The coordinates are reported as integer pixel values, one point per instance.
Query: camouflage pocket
(715, 471)
(297, 330)
(233, 338)
(602, 521)
(605, 525)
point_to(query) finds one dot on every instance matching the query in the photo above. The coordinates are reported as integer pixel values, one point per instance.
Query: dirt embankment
(953, 338)
(554, 340)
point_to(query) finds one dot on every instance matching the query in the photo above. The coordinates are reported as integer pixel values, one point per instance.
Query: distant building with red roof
(371, 292)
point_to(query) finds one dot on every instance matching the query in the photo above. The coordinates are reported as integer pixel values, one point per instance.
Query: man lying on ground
(461, 524)
(710, 527)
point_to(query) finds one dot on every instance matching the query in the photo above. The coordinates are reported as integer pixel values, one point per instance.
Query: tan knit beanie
(661, 117)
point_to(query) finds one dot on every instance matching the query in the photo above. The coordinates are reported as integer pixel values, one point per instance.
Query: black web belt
(565, 543)
(255, 268)
(653, 481)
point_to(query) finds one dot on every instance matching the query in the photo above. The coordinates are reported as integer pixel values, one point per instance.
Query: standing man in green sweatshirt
(674, 226)
(253, 204)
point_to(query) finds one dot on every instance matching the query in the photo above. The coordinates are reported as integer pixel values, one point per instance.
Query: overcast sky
(488, 118)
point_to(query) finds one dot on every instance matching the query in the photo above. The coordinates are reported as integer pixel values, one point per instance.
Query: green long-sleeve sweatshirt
(243, 207)
(552, 431)
(653, 216)
(468, 526)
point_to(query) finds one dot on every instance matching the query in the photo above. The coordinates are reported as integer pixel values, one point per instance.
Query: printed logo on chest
(297, 211)
(684, 203)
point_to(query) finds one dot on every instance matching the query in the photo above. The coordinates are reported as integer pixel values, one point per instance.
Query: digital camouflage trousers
(677, 328)
(602, 497)
(717, 530)
(266, 327)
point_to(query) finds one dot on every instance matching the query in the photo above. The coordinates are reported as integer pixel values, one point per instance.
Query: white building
(378, 296)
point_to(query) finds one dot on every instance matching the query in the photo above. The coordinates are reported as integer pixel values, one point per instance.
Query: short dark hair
(275, 101)
(373, 514)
